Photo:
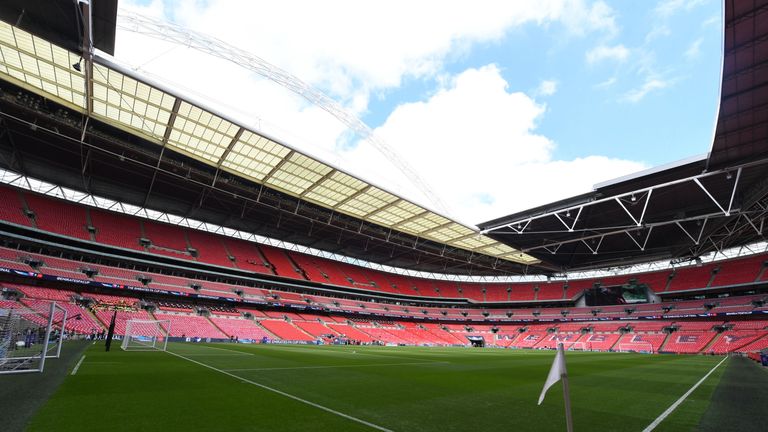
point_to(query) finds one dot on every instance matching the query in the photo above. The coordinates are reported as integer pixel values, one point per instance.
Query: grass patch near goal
(392, 388)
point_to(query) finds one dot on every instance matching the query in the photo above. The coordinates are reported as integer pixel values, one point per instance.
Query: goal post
(636, 347)
(574, 346)
(146, 335)
(28, 337)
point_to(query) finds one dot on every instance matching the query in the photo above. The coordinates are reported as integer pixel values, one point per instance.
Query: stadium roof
(682, 211)
(118, 97)
(679, 212)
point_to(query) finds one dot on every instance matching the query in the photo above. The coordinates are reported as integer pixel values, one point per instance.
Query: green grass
(401, 389)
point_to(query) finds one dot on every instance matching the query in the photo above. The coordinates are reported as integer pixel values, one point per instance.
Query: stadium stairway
(614, 344)
(266, 330)
(666, 341)
(95, 318)
(711, 343)
(302, 330)
(762, 272)
(216, 326)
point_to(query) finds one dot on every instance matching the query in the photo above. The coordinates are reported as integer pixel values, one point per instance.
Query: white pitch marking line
(220, 349)
(208, 355)
(677, 403)
(77, 366)
(335, 367)
(288, 395)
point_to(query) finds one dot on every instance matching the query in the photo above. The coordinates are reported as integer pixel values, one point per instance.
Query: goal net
(574, 346)
(30, 336)
(146, 335)
(636, 347)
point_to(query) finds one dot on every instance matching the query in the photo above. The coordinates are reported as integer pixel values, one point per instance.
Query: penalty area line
(288, 395)
(77, 366)
(338, 366)
(230, 351)
(677, 403)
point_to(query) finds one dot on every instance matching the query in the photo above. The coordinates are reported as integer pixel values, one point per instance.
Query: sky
(498, 106)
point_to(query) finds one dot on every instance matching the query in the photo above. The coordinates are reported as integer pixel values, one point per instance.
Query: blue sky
(584, 116)
(499, 106)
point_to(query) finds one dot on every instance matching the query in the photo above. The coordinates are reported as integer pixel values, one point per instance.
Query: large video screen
(616, 295)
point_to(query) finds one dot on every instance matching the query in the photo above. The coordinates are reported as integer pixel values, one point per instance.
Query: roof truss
(111, 94)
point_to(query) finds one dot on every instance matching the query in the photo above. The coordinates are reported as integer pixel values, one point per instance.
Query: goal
(636, 347)
(574, 346)
(146, 335)
(30, 336)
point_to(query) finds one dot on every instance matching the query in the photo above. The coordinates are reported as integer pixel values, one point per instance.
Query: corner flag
(556, 373)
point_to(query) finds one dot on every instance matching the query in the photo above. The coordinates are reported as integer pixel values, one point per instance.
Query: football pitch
(233, 387)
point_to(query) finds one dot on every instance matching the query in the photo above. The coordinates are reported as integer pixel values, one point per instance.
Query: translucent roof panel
(449, 233)
(254, 155)
(395, 213)
(129, 103)
(297, 173)
(422, 223)
(367, 202)
(334, 189)
(34, 62)
(123, 99)
(201, 133)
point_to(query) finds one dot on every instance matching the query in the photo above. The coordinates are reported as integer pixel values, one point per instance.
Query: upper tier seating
(11, 207)
(739, 271)
(116, 229)
(281, 263)
(551, 291)
(246, 254)
(169, 240)
(209, 248)
(691, 278)
(59, 216)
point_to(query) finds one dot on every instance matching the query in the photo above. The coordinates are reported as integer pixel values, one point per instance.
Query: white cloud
(547, 88)
(618, 53)
(477, 143)
(346, 47)
(657, 31)
(694, 49)
(667, 8)
(651, 84)
(714, 20)
(354, 50)
(607, 83)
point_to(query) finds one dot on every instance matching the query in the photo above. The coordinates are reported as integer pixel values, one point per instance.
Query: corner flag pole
(566, 391)
(556, 373)
(111, 331)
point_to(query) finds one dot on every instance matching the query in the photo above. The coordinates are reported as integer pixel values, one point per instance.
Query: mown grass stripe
(682, 398)
(288, 395)
(424, 363)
